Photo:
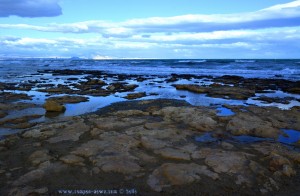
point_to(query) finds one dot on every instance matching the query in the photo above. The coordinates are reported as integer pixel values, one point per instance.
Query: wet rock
(258, 169)
(294, 90)
(192, 88)
(39, 133)
(283, 100)
(2, 148)
(27, 191)
(16, 125)
(152, 143)
(96, 132)
(56, 90)
(226, 162)
(39, 156)
(115, 87)
(289, 119)
(52, 106)
(172, 79)
(119, 163)
(171, 153)
(19, 123)
(169, 133)
(246, 124)
(226, 92)
(95, 82)
(90, 148)
(202, 153)
(227, 145)
(12, 97)
(38, 174)
(125, 113)
(135, 95)
(130, 87)
(145, 157)
(113, 123)
(71, 132)
(72, 160)
(198, 118)
(288, 171)
(231, 92)
(68, 99)
(30, 176)
(120, 87)
(189, 148)
(2, 114)
(95, 170)
(170, 174)
(277, 162)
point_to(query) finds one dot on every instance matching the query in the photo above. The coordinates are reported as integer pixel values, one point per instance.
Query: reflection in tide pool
(222, 111)
(249, 139)
(205, 138)
(92, 105)
(291, 136)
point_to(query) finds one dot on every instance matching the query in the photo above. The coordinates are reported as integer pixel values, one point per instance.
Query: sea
(12, 69)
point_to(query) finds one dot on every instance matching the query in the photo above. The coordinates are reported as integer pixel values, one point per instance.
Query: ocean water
(18, 69)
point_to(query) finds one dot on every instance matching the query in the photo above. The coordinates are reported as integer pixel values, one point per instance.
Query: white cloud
(30, 8)
(275, 29)
(101, 57)
(29, 41)
(276, 16)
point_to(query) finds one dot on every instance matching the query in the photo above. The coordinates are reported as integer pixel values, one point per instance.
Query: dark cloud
(30, 8)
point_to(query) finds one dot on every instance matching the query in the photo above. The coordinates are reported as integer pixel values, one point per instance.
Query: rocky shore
(149, 147)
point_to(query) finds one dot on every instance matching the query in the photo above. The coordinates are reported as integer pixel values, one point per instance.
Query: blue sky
(102, 29)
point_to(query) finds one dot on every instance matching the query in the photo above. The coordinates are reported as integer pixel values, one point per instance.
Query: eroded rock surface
(154, 150)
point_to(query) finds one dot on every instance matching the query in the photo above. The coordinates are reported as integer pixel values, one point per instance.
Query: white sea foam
(244, 61)
(192, 61)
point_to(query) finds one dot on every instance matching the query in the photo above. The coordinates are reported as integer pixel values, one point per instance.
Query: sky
(162, 29)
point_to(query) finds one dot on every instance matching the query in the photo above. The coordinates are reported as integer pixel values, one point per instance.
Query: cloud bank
(276, 16)
(30, 8)
(273, 32)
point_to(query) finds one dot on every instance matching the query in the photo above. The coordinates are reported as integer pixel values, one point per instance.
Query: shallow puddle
(222, 111)
(249, 139)
(291, 136)
(205, 138)
(92, 105)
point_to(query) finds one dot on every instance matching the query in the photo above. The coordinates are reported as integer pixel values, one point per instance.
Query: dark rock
(135, 95)
(226, 92)
(68, 99)
(283, 100)
(52, 106)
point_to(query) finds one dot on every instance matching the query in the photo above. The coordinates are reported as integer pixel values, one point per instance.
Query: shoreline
(150, 143)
